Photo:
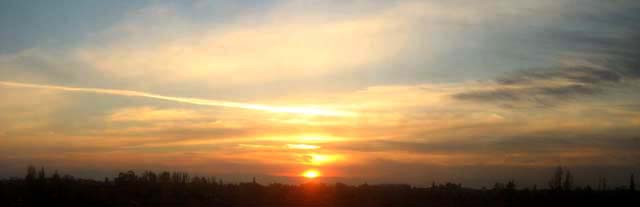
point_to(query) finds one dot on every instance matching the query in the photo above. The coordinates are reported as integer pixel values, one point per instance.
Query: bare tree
(55, 177)
(556, 181)
(602, 183)
(568, 181)
(632, 183)
(164, 177)
(41, 174)
(31, 173)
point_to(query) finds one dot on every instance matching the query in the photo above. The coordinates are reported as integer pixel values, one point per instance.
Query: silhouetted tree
(556, 181)
(31, 173)
(588, 188)
(198, 180)
(55, 177)
(68, 178)
(165, 177)
(602, 183)
(568, 181)
(632, 183)
(511, 186)
(177, 190)
(149, 176)
(212, 180)
(41, 174)
(126, 178)
(179, 177)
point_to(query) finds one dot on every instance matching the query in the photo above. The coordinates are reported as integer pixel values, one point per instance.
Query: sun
(311, 174)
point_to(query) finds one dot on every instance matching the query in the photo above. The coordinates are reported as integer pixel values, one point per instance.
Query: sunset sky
(466, 91)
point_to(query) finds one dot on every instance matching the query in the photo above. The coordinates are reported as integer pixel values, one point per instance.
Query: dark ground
(179, 189)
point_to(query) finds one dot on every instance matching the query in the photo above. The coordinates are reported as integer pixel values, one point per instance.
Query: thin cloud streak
(195, 101)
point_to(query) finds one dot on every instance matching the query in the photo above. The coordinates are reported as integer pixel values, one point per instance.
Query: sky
(472, 92)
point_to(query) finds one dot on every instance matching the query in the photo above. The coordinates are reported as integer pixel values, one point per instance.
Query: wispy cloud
(597, 64)
(146, 114)
(195, 101)
(302, 146)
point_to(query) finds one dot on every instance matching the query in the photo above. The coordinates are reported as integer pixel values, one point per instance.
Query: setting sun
(311, 174)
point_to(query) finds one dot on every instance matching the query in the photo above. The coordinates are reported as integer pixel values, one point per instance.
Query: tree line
(181, 189)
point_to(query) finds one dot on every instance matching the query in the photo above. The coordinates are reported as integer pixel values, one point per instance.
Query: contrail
(195, 101)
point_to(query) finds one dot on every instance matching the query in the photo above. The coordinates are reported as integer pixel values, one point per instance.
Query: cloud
(281, 45)
(532, 145)
(152, 114)
(538, 94)
(577, 75)
(583, 74)
(589, 62)
(28, 111)
(195, 101)
(302, 146)
(546, 87)
(288, 41)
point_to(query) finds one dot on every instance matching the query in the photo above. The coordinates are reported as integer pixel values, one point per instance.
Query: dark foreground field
(179, 189)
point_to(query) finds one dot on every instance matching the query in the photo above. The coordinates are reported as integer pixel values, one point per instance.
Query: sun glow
(318, 138)
(320, 159)
(311, 174)
(302, 146)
